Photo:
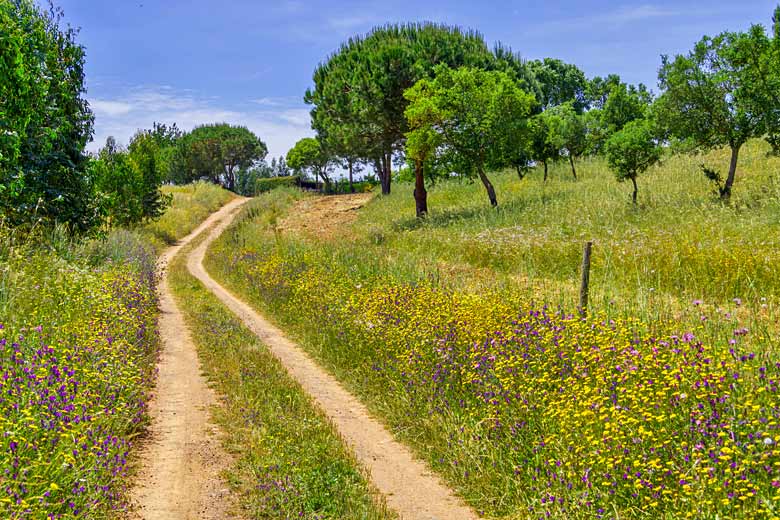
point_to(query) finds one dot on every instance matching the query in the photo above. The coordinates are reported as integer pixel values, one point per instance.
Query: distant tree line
(46, 175)
(437, 98)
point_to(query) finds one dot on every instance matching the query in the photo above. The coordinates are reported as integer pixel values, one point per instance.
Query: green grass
(357, 302)
(290, 462)
(190, 206)
(78, 347)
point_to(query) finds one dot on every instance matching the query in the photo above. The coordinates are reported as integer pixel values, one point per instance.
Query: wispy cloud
(638, 13)
(618, 17)
(279, 122)
(342, 23)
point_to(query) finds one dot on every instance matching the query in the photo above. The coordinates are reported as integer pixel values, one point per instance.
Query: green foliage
(560, 82)
(127, 183)
(569, 130)
(308, 156)
(723, 92)
(597, 90)
(217, 153)
(45, 122)
(267, 184)
(625, 103)
(357, 100)
(545, 143)
(469, 119)
(632, 150)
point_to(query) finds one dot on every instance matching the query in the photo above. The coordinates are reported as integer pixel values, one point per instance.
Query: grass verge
(290, 462)
(78, 347)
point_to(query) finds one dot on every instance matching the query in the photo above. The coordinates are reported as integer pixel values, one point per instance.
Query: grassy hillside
(460, 333)
(78, 346)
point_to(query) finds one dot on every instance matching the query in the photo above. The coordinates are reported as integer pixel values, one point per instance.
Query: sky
(249, 62)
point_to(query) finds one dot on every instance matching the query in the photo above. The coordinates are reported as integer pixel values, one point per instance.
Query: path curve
(180, 465)
(408, 486)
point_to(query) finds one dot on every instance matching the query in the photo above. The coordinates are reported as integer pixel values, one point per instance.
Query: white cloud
(110, 108)
(636, 14)
(279, 122)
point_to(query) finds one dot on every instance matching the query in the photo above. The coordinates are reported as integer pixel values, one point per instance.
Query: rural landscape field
(443, 278)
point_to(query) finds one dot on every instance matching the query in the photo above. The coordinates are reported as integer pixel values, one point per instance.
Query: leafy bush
(268, 184)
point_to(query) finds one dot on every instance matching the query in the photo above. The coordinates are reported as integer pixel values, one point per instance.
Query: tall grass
(78, 346)
(190, 205)
(458, 332)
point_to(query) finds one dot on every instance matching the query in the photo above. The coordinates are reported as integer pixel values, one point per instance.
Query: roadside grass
(289, 460)
(78, 347)
(190, 206)
(458, 332)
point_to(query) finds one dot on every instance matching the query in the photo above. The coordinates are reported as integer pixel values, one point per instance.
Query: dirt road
(180, 466)
(407, 484)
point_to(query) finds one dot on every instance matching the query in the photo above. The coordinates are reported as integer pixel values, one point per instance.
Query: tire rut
(409, 487)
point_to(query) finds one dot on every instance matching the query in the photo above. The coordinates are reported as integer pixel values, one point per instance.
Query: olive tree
(569, 131)
(632, 150)
(470, 118)
(711, 95)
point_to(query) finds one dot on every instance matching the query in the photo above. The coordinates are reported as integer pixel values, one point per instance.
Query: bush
(264, 185)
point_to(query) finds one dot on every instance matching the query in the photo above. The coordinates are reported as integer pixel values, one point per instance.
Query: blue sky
(249, 62)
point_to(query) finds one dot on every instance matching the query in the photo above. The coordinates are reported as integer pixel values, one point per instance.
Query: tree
(632, 150)
(569, 131)
(358, 99)
(217, 152)
(545, 143)
(625, 103)
(45, 122)
(597, 90)
(710, 97)
(149, 156)
(309, 156)
(757, 56)
(127, 182)
(469, 117)
(560, 82)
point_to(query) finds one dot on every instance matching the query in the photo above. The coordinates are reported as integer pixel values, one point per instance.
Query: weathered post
(584, 284)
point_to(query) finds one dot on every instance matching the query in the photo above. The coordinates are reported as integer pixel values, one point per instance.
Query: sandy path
(409, 487)
(180, 466)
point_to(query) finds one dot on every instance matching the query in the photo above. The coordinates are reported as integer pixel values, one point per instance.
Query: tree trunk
(420, 195)
(316, 180)
(519, 171)
(351, 186)
(489, 187)
(386, 173)
(633, 195)
(573, 171)
(545, 170)
(725, 193)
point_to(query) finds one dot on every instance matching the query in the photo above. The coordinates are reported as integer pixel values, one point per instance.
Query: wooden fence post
(585, 282)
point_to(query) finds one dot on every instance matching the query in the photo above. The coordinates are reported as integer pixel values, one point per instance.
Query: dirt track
(408, 485)
(181, 463)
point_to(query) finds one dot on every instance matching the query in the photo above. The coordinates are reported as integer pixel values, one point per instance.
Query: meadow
(78, 348)
(460, 331)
